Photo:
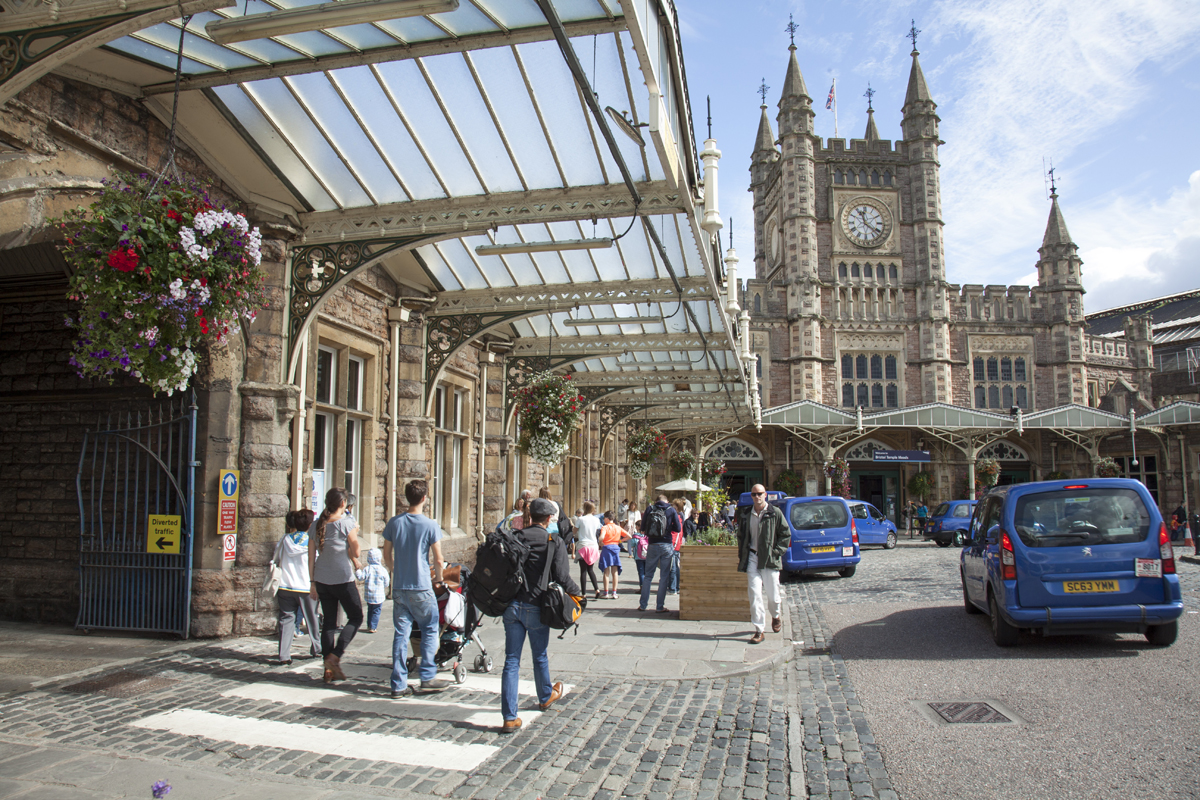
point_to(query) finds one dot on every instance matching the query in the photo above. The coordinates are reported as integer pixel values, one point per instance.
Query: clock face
(866, 224)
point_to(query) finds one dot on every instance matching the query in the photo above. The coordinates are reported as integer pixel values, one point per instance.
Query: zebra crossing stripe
(327, 741)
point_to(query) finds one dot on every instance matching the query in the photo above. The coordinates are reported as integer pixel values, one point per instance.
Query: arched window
(1008, 396)
(1022, 397)
(847, 366)
(839, 176)
(864, 399)
(993, 397)
(861, 366)
(874, 177)
(848, 395)
(879, 272)
(893, 273)
(876, 367)
(993, 370)
(854, 271)
(893, 396)
(877, 396)
(887, 178)
(979, 369)
(889, 368)
(980, 397)
(1019, 370)
(862, 177)
(842, 270)
(757, 304)
(850, 178)
(1006, 369)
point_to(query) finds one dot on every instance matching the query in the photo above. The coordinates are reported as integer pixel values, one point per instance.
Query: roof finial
(791, 28)
(709, 99)
(1049, 176)
(869, 93)
(913, 32)
(731, 231)
(762, 90)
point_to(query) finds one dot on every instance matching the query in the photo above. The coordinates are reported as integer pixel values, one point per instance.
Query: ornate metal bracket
(612, 416)
(318, 268)
(19, 49)
(445, 335)
(518, 371)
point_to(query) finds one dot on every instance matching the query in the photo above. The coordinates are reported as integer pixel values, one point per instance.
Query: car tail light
(853, 532)
(1165, 550)
(1008, 559)
(1077, 486)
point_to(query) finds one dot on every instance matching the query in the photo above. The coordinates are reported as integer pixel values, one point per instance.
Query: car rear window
(941, 510)
(1082, 517)
(962, 510)
(819, 514)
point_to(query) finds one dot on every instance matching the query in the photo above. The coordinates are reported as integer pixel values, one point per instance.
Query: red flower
(166, 202)
(174, 215)
(123, 260)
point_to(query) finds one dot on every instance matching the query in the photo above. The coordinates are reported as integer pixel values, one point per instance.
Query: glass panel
(556, 94)
(979, 373)
(854, 270)
(313, 43)
(264, 135)
(413, 29)
(408, 89)
(346, 134)
(437, 267)
(847, 366)
(1022, 398)
(893, 396)
(993, 371)
(1019, 369)
(1008, 396)
(354, 383)
(889, 368)
(818, 514)
(861, 366)
(868, 271)
(352, 437)
(993, 396)
(863, 398)
(513, 13)
(434, 509)
(839, 177)
(842, 270)
(1081, 517)
(851, 178)
(157, 55)
(980, 397)
(876, 367)
(1006, 369)
(291, 120)
(893, 273)
(320, 440)
(456, 467)
(363, 37)
(862, 177)
(578, 9)
(874, 177)
(887, 179)
(879, 272)
(467, 19)
(877, 396)
(439, 407)
(848, 395)
(326, 375)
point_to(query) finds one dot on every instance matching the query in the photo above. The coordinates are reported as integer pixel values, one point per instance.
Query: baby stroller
(458, 621)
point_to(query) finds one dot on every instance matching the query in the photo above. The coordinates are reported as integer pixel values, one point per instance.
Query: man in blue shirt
(412, 544)
(658, 522)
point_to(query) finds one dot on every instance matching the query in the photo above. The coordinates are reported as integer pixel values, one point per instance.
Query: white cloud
(1037, 77)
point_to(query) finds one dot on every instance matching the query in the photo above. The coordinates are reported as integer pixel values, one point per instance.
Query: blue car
(949, 523)
(1072, 557)
(824, 535)
(872, 526)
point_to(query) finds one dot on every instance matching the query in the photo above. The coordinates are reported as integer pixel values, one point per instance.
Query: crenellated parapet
(993, 303)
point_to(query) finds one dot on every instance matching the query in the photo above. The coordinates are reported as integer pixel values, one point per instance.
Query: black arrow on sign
(163, 543)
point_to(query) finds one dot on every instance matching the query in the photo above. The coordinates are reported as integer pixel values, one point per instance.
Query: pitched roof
(793, 83)
(765, 139)
(1169, 313)
(1056, 226)
(872, 132)
(918, 89)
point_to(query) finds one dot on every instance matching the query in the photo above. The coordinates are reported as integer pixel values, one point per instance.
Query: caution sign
(163, 532)
(227, 512)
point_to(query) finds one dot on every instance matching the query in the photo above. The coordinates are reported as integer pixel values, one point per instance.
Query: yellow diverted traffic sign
(163, 532)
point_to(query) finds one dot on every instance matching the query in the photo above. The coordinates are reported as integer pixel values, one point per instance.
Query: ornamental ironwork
(735, 450)
(612, 416)
(446, 335)
(1004, 451)
(20, 50)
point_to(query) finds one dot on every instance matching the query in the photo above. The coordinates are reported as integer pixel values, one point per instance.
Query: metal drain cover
(121, 684)
(967, 712)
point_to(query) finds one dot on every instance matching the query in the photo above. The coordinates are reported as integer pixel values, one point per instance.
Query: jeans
(289, 604)
(409, 608)
(762, 582)
(675, 572)
(331, 596)
(520, 620)
(374, 612)
(641, 568)
(658, 555)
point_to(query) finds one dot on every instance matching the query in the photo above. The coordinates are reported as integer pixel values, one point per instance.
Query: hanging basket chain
(169, 163)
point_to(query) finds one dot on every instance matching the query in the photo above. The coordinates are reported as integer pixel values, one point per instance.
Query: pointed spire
(872, 133)
(793, 84)
(765, 139)
(1056, 226)
(918, 89)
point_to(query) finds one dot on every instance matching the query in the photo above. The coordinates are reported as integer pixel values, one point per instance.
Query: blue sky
(1108, 89)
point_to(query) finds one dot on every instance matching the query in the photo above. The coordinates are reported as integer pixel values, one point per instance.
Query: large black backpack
(654, 524)
(499, 571)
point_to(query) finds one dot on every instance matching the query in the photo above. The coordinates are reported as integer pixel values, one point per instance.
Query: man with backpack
(523, 617)
(659, 521)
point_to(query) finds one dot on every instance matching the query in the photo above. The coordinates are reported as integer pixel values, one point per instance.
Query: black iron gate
(136, 485)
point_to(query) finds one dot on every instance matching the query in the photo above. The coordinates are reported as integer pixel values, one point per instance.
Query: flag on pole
(829, 100)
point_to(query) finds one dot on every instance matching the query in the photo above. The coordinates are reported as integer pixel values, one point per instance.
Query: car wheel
(1163, 635)
(958, 540)
(846, 572)
(968, 606)
(891, 541)
(942, 542)
(1004, 634)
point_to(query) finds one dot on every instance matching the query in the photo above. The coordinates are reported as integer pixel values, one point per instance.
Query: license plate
(848, 551)
(1091, 587)
(829, 549)
(1147, 568)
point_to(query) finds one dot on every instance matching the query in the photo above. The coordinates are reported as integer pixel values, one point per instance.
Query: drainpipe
(396, 315)
(298, 431)
(489, 358)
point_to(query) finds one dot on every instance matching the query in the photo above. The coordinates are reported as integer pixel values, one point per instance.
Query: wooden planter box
(710, 586)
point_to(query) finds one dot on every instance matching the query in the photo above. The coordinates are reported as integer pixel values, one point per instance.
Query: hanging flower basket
(683, 465)
(790, 483)
(1107, 468)
(158, 273)
(550, 410)
(920, 485)
(644, 445)
(838, 471)
(987, 472)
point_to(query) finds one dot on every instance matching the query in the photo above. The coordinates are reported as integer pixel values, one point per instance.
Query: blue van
(1072, 557)
(949, 522)
(824, 535)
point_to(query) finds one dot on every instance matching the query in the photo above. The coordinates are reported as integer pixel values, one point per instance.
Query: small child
(375, 580)
(611, 536)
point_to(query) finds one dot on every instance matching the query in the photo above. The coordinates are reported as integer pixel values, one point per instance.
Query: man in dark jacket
(657, 523)
(763, 539)
(523, 616)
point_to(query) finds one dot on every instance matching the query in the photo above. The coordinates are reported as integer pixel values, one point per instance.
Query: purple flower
(160, 789)
(103, 315)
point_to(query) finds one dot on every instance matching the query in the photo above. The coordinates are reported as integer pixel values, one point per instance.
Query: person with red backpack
(658, 522)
